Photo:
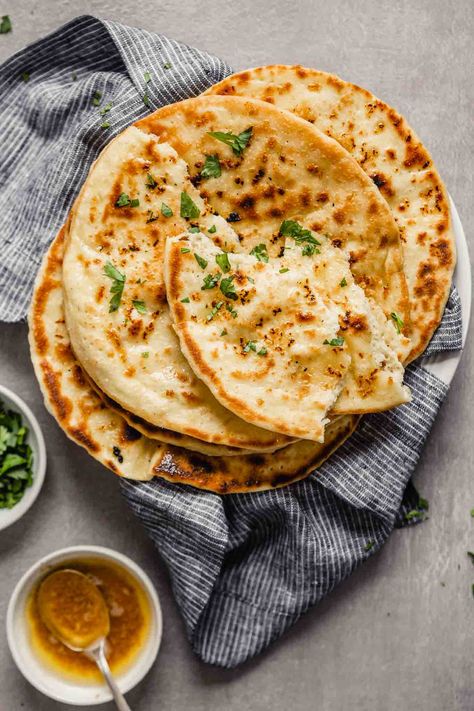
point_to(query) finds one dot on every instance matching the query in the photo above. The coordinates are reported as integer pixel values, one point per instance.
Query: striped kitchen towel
(243, 567)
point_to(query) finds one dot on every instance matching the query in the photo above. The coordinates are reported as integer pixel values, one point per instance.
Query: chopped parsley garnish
(194, 230)
(97, 98)
(223, 262)
(151, 216)
(343, 282)
(419, 512)
(147, 77)
(212, 230)
(16, 458)
(397, 321)
(472, 513)
(106, 124)
(228, 289)
(212, 167)
(118, 284)
(224, 332)
(188, 209)
(200, 260)
(309, 249)
(74, 76)
(167, 65)
(106, 109)
(238, 143)
(146, 100)
(5, 25)
(25, 76)
(150, 181)
(184, 250)
(283, 270)
(290, 228)
(140, 306)
(233, 217)
(124, 200)
(414, 513)
(214, 310)
(166, 211)
(231, 310)
(210, 281)
(336, 342)
(250, 346)
(368, 546)
(260, 252)
(145, 354)
(185, 300)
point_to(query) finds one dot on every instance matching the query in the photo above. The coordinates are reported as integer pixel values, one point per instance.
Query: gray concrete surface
(399, 633)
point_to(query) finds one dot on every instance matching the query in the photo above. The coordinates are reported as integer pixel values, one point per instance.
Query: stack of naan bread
(242, 275)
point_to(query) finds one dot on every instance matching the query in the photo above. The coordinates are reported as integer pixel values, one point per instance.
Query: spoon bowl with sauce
(74, 610)
(131, 646)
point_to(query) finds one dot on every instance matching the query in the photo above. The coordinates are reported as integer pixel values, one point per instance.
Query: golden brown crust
(395, 159)
(221, 476)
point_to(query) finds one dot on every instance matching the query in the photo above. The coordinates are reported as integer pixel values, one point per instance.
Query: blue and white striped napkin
(243, 567)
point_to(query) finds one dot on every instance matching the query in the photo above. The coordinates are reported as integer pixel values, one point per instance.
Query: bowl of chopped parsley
(22, 457)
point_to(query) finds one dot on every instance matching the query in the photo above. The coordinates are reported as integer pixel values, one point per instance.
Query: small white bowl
(45, 678)
(36, 441)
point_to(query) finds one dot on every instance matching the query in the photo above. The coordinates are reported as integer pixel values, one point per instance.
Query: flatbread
(278, 340)
(163, 435)
(287, 170)
(67, 395)
(110, 440)
(391, 154)
(132, 353)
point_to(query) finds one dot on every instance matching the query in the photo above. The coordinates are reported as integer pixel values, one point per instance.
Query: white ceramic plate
(36, 441)
(444, 365)
(46, 679)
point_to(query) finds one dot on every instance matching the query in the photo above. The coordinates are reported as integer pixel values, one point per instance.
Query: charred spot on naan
(62, 405)
(62, 408)
(43, 293)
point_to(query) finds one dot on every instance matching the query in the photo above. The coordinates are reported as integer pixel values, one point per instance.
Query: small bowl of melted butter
(132, 642)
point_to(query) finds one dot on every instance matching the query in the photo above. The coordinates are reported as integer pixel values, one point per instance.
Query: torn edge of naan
(298, 338)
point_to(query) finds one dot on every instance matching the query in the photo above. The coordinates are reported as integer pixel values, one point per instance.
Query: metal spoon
(68, 596)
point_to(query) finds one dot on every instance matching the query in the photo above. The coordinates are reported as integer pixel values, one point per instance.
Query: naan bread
(132, 353)
(394, 158)
(67, 395)
(287, 169)
(163, 435)
(277, 340)
(109, 439)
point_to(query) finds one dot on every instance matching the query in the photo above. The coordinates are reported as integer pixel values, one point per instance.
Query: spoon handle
(101, 661)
